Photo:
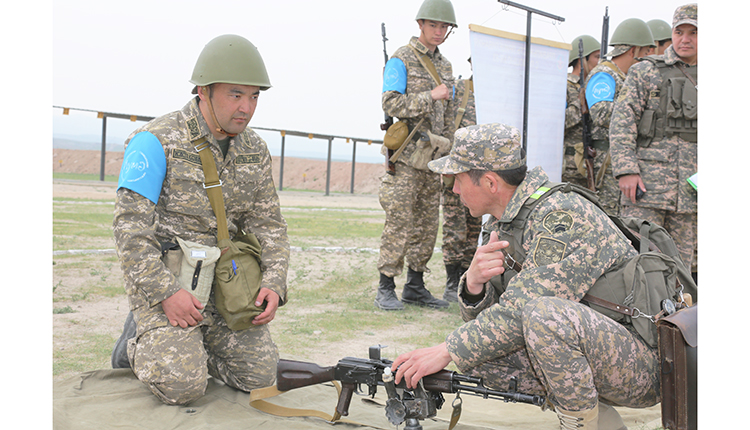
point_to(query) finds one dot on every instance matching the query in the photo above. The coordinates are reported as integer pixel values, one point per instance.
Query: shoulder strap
(468, 88)
(213, 187)
(427, 64)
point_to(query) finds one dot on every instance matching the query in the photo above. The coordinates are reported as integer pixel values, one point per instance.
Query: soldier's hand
(442, 92)
(629, 185)
(414, 365)
(272, 303)
(183, 309)
(488, 261)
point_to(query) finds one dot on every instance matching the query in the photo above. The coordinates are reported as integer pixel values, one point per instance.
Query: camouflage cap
(491, 147)
(687, 14)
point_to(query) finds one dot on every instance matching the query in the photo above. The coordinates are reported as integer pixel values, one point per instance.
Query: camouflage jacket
(601, 112)
(573, 118)
(568, 243)
(416, 103)
(183, 209)
(664, 166)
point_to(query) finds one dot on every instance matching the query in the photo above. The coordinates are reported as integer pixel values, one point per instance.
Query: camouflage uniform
(460, 229)
(573, 132)
(529, 324)
(413, 192)
(601, 114)
(664, 164)
(175, 362)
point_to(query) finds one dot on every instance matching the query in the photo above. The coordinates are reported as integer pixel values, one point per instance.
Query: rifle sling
(468, 89)
(257, 401)
(427, 64)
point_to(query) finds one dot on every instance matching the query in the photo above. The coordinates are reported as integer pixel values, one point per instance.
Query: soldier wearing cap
(524, 320)
(662, 33)
(630, 41)
(172, 341)
(418, 89)
(573, 140)
(654, 135)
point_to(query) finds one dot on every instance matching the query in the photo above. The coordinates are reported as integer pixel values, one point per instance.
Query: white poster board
(498, 63)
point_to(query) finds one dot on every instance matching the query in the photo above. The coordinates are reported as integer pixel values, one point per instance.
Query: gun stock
(291, 374)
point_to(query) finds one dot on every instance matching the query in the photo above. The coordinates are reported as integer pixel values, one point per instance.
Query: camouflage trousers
(575, 355)
(460, 229)
(681, 226)
(411, 201)
(175, 362)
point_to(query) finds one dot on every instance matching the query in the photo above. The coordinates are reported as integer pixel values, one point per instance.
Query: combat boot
(120, 350)
(415, 292)
(609, 418)
(386, 299)
(587, 419)
(453, 273)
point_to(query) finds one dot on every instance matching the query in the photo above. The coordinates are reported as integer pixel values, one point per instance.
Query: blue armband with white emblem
(601, 88)
(143, 166)
(394, 76)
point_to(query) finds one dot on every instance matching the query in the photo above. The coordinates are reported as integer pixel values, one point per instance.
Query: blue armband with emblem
(601, 88)
(394, 76)
(143, 166)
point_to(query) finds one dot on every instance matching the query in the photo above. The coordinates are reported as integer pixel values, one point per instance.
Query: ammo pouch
(678, 358)
(238, 279)
(193, 264)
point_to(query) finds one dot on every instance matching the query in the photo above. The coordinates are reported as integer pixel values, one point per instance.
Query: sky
(325, 60)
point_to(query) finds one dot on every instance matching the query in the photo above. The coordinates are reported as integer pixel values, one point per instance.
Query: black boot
(415, 292)
(387, 299)
(453, 272)
(120, 351)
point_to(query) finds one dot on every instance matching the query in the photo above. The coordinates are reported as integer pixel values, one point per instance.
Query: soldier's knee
(177, 391)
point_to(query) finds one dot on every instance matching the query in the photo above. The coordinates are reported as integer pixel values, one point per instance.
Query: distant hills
(87, 144)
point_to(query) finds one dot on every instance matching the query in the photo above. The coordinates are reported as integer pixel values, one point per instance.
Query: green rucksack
(639, 291)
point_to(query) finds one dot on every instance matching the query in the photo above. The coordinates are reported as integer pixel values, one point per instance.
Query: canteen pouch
(238, 279)
(678, 359)
(193, 265)
(396, 135)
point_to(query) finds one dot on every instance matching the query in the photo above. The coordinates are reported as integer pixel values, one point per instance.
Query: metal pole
(104, 147)
(354, 162)
(526, 73)
(328, 169)
(281, 163)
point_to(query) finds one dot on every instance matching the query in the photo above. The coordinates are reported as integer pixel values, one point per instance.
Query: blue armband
(143, 166)
(601, 88)
(394, 76)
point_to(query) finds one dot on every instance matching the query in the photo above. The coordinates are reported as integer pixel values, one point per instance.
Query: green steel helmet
(589, 45)
(437, 10)
(632, 32)
(660, 30)
(230, 59)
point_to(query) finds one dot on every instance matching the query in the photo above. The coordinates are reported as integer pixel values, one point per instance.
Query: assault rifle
(390, 166)
(588, 150)
(411, 405)
(605, 32)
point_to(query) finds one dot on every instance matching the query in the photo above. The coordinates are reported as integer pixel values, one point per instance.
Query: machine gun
(588, 150)
(410, 406)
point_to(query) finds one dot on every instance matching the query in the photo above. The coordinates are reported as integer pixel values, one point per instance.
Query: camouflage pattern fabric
(573, 132)
(569, 243)
(601, 114)
(183, 210)
(460, 229)
(664, 166)
(491, 147)
(411, 197)
(411, 201)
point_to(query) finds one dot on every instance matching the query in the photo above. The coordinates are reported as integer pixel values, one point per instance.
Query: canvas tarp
(115, 399)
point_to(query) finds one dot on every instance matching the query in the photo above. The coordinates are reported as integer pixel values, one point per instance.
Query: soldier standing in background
(654, 136)
(662, 33)
(173, 341)
(573, 115)
(630, 40)
(460, 229)
(418, 88)
(527, 322)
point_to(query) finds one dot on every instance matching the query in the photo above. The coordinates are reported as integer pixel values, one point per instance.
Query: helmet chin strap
(218, 128)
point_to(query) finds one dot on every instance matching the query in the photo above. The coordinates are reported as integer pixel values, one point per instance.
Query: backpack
(639, 291)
